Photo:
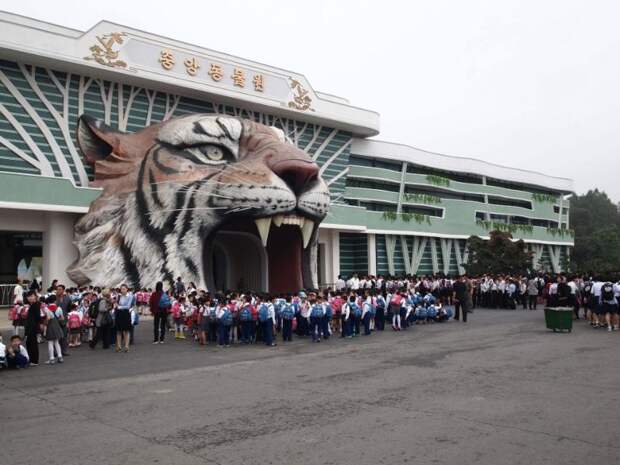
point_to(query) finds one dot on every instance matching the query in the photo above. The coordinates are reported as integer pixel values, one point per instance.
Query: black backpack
(93, 309)
(563, 290)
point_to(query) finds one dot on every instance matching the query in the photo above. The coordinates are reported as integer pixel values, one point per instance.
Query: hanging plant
(561, 232)
(437, 180)
(504, 227)
(422, 198)
(544, 198)
(389, 215)
(406, 217)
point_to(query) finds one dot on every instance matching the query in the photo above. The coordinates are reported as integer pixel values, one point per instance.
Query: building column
(335, 254)
(58, 249)
(372, 254)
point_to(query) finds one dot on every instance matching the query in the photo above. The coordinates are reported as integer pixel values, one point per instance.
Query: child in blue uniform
(224, 320)
(380, 312)
(327, 318)
(367, 311)
(288, 314)
(246, 321)
(345, 317)
(267, 318)
(317, 312)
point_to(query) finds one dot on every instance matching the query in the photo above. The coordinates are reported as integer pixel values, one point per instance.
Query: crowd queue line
(67, 318)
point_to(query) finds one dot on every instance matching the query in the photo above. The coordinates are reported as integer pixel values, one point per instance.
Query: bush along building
(394, 209)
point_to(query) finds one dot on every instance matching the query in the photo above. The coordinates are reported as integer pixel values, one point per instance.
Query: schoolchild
(288, 315)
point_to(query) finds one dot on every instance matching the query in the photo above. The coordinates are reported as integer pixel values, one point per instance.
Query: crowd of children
(91, 314)
(359, 306)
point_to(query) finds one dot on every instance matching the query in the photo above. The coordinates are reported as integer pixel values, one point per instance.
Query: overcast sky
(530, 84)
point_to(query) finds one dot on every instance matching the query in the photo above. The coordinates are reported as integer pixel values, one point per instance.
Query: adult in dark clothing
(52, 288)
(103, 322)
(461, 298)
(32, 327)
(64, 302)
(179, 287)
(35, 286)
(159, 314)
(563, 293)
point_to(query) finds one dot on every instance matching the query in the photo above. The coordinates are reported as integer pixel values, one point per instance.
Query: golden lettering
(166, 58)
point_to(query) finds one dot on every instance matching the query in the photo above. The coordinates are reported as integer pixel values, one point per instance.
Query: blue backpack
(263, 313)
(245, 314)
(278, 305)
(431, 312)
(421, 313)
(357, 312)
(317, 311)
(329, 313)
(296, 308)
(288, 312)
(164, 301)
(227, 318)
(380, 302)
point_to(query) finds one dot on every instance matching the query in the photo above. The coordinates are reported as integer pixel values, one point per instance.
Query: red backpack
(74, 321)
(23, 312)
(337, 305)
(14, 313)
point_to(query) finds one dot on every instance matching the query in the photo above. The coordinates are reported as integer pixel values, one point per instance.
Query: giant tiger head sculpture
(169, 188)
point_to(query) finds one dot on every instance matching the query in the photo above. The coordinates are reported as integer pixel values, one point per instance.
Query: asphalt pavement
(500, 389)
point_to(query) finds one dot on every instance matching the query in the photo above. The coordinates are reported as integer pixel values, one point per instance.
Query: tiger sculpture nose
(294, 166)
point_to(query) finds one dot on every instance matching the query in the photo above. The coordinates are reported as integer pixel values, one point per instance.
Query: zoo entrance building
(395, 209)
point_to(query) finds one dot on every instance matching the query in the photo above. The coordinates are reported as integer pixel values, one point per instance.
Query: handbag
(106, 319)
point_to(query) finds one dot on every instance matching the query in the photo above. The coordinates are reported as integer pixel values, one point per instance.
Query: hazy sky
(531, 84)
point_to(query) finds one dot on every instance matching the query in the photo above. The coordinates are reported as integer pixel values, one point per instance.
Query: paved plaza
(499, 390)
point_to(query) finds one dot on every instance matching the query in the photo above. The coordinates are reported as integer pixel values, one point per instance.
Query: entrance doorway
(20, 256)
(237, 261)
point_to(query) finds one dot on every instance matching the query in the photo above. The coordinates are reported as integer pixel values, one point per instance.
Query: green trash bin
(559, 318)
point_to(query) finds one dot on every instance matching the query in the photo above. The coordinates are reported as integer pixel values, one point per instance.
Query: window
(443, 194)
(370, 184)
(459, 177)
(519, 220)
(386, 207)
(356, 160)
(544, 223)
(499, 218)
(510, 202)
(481, 216)
(438, 212)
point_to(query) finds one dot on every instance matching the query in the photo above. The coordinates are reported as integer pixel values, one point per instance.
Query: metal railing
(6, 294)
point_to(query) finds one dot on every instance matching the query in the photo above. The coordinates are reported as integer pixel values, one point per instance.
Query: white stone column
(58, 249)
(325, 240)
(335, 254)
(372, 254)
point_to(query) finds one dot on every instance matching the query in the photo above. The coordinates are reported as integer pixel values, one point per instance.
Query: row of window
(510, 219)
(386, 207)
(437, 192)
(459, 177)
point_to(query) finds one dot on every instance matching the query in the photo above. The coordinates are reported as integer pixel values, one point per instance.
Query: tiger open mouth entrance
(236, 259)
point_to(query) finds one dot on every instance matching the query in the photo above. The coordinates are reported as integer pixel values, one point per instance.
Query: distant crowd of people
(66, 318)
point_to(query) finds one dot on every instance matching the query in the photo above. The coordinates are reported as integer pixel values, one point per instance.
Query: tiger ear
(97, 140)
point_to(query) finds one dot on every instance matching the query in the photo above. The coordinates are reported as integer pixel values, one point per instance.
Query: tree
(596, 221)
(499, 254)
